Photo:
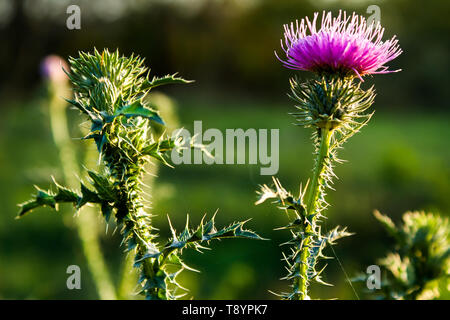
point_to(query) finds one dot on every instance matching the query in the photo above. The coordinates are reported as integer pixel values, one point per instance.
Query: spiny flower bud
(106, 81)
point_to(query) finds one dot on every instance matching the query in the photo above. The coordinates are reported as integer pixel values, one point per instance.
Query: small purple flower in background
(346, 45)
(52, 69)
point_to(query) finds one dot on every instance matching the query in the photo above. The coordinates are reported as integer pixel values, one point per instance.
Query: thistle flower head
(344, 45)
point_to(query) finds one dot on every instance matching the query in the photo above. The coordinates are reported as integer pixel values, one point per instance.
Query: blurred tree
(225, 44)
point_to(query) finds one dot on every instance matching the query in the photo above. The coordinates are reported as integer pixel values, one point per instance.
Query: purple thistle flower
(52, 67)
(344, 45)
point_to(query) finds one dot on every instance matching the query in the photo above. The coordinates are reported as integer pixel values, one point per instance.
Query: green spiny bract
(421, 258)
(331, 102)
(110, 90)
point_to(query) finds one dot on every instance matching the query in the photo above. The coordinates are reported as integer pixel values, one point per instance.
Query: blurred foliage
(227, 47)
(421, 260)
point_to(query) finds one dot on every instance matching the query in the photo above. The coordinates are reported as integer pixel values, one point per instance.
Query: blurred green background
(399, 162)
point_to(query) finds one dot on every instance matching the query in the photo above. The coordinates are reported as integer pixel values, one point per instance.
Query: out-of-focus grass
(397, 163)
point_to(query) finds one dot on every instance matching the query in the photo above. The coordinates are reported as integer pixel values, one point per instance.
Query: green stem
(128, 276)
(87, 224)
(311, 206)
(322, 156)
(131, 213)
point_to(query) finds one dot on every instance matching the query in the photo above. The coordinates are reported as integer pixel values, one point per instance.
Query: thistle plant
(420, 262)
(335, 106)
(110, 91)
